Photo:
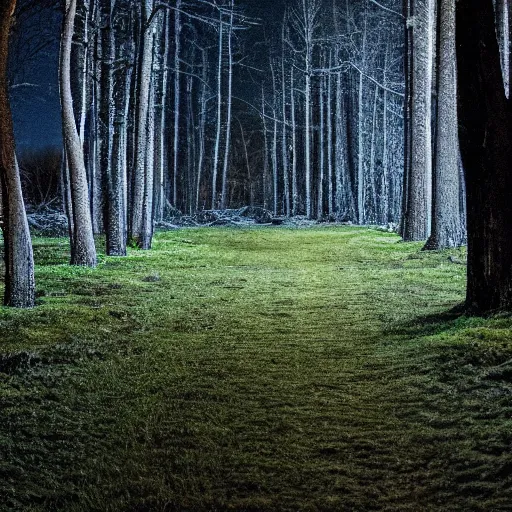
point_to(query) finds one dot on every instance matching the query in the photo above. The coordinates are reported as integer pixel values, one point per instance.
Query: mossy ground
(255, 370)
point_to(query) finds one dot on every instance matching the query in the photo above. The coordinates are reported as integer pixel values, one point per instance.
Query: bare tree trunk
(321, 142)
(219, 115)
(138, 221)
(177, 95)
(227, 147)
(202, 127)
(284, 141)
(446, 228)
(19, 262)
(83, 251)
(417, 216)
(330, 137)
(295, 188)
(161, 139)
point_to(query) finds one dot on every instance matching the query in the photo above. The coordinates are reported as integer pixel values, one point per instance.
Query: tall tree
(418, 184)
(446, 219)
(141, 194)
(485, 116)
(83, 251)
(19, 262)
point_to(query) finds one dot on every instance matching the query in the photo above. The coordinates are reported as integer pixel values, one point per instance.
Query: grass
(265, 369)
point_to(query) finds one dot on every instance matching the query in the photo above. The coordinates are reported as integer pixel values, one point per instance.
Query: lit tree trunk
(274, 143)
(486, 144)
(446, 228)
(202, 127)
(361, 185)
(83, 251)
(284, 141)
(330, 137)
(417, 214)
(138, 224)
(227, 147)
(19, 262)
(219, 115)
(161, 142)
(295, 189)
(177, 95)
(321, 141)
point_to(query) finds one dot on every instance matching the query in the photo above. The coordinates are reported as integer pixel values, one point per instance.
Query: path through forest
(258, 370)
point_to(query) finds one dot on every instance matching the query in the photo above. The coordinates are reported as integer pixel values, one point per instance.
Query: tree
(19, 262)
(141, 231)
(446, 219)
(418, 184)
(83, 251)
(486, 147)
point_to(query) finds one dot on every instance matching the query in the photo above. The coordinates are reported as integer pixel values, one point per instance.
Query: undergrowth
(265, 369)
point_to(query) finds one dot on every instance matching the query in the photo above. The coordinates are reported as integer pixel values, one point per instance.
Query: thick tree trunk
(19, 262)
(83, 251)
(486, 146)
(446, 228)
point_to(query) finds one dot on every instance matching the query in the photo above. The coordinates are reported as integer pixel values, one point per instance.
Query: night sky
(36, 108)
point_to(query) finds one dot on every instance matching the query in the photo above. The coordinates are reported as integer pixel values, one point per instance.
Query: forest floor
(255, 369)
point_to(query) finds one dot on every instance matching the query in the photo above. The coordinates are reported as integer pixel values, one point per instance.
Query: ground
(259, 369)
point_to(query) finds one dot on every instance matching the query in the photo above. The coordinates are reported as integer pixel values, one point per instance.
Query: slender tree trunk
(138, 221)
(295, 187)
(361, 185)
(161, 139)
(417, 216)
(83, 251)
(202, 128)
(19, 262)
(219, 114)
(227, 147)
(177, 98)
(321, 142)
(330, 137)
(284, 132)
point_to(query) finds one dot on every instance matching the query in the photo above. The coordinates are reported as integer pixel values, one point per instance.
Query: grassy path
(255, 370)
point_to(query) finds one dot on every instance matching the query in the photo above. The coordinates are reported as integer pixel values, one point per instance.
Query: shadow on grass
(429, 325)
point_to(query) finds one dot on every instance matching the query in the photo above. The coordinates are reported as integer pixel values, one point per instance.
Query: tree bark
(19, 262)
(446, 228)
(486, 147)
(83, 251)
(418, 204)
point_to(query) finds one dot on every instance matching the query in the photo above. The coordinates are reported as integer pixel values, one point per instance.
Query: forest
(257, 255)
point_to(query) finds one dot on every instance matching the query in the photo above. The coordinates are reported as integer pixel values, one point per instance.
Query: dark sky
(36, 107)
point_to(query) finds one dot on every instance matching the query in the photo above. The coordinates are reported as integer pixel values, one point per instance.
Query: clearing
(255, 369)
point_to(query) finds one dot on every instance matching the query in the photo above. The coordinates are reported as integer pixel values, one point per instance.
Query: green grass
(266, 369)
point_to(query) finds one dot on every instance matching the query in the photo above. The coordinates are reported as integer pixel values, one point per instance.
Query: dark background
(36, 107)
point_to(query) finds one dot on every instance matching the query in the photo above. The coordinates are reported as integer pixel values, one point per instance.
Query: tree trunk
(19, 262)
(418, 204)
(83, 251)
(138, 221)
(446, 228)
(227, 146)
(177, 95)
(486, 147)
